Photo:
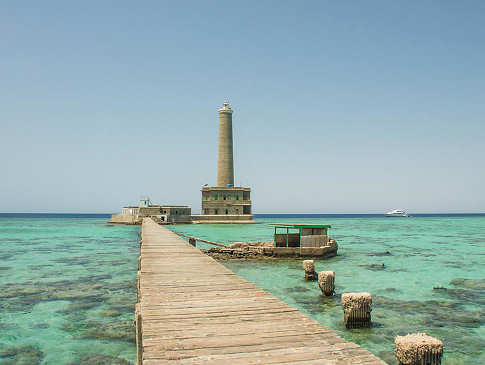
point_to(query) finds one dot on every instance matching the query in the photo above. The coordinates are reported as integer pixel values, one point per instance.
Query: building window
(164, 212)
(237, 197)
(176, 212)
(216, 211)
(224, 197)
(206, 211)
(216, 197)
(206, 197)
(227, 212)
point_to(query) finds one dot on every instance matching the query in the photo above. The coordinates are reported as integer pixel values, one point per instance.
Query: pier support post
(326, 282)
(357, 308)
(309, 267)
(192, 241)
(138, 285)
(138, 335)
(418, 349)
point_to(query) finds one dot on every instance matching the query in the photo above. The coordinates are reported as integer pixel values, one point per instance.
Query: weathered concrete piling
(357, 308)
(418, 349)
(309, 267)
(326, 282)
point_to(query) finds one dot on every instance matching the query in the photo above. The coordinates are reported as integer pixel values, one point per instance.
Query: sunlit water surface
(67, 286)
(425, 275)
(67, 291)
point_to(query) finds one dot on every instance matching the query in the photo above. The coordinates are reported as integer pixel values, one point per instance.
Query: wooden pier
(193, 310)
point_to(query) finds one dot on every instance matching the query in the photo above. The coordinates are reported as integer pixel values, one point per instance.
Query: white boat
(397, 213)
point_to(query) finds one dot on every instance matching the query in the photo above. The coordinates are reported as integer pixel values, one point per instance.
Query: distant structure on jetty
(223, 203)
(162, 214)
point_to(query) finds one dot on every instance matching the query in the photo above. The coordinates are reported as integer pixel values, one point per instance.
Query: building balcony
(225, 189)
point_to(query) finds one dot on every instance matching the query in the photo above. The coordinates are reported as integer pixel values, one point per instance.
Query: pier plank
(194, 310)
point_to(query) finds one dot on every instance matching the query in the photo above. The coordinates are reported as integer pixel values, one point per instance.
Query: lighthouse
(225, 202)
(225, 160)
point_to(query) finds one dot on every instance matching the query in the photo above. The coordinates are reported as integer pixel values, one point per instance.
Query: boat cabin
(300, 235)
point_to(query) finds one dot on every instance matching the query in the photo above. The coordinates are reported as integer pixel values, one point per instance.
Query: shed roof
(300, 225)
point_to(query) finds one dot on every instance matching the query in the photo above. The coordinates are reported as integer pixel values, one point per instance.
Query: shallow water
(67, 291)
(67, 286)
(419, 254)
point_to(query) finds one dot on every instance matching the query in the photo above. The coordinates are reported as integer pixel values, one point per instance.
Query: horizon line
(92, 213)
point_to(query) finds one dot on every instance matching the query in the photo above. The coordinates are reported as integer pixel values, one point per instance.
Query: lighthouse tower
(225, 203)
(225, 161)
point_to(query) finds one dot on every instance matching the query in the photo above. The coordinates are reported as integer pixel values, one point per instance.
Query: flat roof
(174, 206)
(225, 188)
(299, 225)
(167, 206)
(160, 206)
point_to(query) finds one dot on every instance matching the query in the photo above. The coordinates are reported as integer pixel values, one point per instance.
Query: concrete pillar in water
(225, 163)
(357, 308)
(326, 282)
(418, 349)
(309, 267)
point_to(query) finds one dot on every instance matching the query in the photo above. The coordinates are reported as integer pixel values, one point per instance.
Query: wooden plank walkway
(193, 310)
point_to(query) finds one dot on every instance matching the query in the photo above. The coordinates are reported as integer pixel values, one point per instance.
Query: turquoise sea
(67, 285)
(67, 291)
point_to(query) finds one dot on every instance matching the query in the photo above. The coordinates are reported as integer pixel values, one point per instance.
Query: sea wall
(124, 219)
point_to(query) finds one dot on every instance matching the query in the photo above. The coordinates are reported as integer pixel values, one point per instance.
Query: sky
(339, 106)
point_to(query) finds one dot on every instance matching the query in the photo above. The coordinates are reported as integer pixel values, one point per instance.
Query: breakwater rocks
(264, 250)
(239, 250)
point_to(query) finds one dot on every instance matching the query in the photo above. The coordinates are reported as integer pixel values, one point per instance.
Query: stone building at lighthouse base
(225, 205)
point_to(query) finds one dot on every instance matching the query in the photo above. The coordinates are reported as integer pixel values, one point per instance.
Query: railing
(193, 239)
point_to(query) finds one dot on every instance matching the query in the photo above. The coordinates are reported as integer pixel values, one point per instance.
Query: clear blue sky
(339, 106)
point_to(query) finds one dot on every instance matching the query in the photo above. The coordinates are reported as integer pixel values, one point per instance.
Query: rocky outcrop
(256, 250)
